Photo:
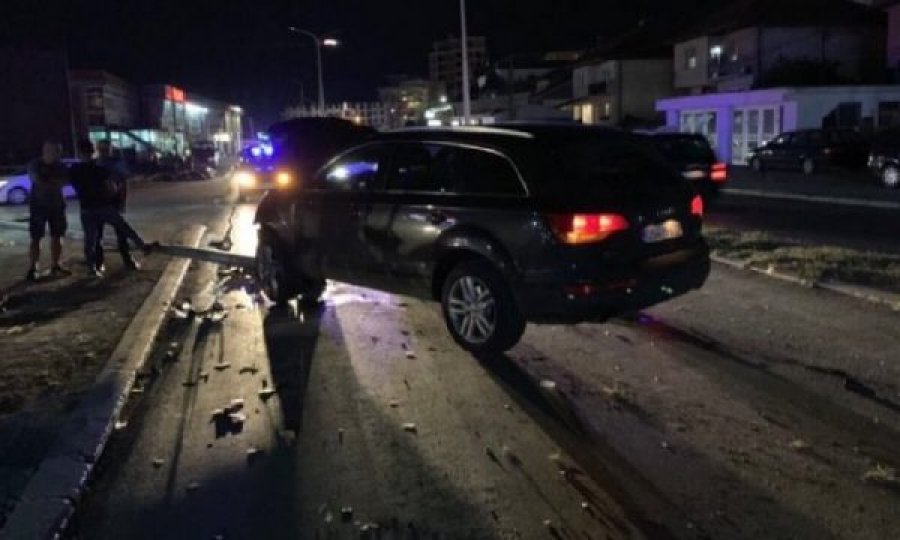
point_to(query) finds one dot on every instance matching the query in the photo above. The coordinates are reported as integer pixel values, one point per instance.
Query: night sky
(241, 51)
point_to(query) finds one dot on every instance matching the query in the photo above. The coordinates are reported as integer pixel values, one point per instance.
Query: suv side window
(412, 168)
(358, 170)
(479, 172)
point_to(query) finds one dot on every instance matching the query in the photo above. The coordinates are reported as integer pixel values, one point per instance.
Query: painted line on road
(843, 201)
(48, 502)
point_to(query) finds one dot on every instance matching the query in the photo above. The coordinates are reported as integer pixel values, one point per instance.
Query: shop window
(690, 58)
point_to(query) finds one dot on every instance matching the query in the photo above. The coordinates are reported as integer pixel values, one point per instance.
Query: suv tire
(479, 309)
(890, 176)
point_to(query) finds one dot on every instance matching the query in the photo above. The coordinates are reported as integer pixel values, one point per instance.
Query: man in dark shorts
(98, 193)
(47, 208)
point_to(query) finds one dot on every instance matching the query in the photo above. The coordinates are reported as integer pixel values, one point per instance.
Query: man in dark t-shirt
(47, 208)
(98, 193)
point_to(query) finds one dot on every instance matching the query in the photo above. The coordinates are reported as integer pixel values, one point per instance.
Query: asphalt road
(834, 223)
(750, 409)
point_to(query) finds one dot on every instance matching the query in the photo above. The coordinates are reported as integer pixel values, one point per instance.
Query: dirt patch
(814, 263)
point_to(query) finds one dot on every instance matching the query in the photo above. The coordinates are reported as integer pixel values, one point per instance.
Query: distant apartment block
(445, 63)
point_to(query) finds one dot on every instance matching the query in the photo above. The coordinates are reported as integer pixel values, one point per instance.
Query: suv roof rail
(482, 130)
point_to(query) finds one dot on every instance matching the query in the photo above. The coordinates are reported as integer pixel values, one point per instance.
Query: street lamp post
(320, 42)
(467, 98)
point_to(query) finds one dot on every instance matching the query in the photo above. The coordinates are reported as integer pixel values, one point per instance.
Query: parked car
(884, 159)
(811, 150)
(297, 149)
(541, 223)
(693, 158)
(15, 185)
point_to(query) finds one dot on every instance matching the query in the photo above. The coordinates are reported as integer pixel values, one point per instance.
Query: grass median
(818, 263)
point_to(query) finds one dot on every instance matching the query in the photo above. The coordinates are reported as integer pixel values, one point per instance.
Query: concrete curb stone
(48, 500)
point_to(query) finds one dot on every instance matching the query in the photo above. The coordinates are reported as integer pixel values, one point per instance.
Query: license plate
(694, 175)
(659, 232)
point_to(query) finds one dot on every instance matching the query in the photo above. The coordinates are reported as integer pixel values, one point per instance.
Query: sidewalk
(56, 336)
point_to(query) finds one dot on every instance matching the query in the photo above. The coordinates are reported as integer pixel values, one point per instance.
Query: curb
(786, 196)
(873, 296)
(49, 499)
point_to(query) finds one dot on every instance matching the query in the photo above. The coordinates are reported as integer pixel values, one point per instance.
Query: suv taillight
(719, 172)
(697, 206)
(586, 228)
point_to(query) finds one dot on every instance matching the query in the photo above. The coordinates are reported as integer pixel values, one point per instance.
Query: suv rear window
(684, 149)
(614, 164)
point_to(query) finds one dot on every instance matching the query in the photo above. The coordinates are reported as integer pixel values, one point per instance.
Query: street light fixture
(320, 42)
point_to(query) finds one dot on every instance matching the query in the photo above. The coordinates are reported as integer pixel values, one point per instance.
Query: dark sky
(241, 51)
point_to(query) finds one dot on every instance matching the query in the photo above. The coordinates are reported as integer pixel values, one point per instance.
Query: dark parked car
(540, 223)
(811, 150)
(297, 149)
(694, 159)
(884, 160)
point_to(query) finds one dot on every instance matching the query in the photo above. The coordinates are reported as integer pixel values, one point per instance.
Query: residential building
(407, 99)
(620, 85)
(737, 122)
(372, 114)
(33, 103)
(749, 43)
(445, 63)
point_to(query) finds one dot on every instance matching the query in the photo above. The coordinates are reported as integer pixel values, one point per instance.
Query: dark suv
(502, 226)
(811, 150)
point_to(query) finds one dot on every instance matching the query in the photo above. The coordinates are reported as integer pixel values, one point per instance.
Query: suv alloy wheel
(479, 309)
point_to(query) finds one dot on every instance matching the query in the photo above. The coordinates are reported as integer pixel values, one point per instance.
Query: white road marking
(844, 201)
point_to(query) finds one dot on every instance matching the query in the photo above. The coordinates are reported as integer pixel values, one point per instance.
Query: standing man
(99, 195)
(47, 208)
(119, 176)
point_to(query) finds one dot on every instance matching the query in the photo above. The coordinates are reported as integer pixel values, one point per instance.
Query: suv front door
(330, 216)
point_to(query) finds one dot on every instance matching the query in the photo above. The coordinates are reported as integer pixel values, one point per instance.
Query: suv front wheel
(479, 309)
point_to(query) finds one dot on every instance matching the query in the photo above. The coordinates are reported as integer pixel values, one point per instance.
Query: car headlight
(245, 179)
(284, 179)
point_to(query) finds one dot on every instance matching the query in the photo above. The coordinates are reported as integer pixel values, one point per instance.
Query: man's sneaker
(59, 270)
(97, 271)
(31, 275)
(131, 264)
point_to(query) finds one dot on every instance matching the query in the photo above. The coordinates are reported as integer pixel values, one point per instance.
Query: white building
(737, 122)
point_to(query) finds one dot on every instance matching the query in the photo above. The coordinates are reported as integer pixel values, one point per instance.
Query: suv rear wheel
(479, 309)
(17, 195)
(890, 176)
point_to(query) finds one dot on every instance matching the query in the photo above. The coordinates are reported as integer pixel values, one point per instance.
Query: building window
(690, 58)
(587, 113)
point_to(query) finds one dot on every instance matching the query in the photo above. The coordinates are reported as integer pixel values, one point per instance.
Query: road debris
(222, 366)
(347, 514)
(393, 404)
(237, 418)
(266, 393)
(340, 435)
(253, 370)
(799, 445)
(236, 404)
(193, 486)
(410, 355)
(511, 456)
(410, 427)
(120, 425)
(158, 462)
(882, 475)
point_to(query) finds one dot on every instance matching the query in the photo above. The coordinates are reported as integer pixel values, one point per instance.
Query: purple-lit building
(737, 122)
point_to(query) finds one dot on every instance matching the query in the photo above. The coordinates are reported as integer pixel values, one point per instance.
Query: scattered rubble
(157, 463)
(882, 475)
(799, 445)
(410, 427)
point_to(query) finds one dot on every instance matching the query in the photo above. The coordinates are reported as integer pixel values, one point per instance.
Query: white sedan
(15, 185)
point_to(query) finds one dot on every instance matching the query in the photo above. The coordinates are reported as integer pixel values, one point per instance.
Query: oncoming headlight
(284, 179)
(245, 179)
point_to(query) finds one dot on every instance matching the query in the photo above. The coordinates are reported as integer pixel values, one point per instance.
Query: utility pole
(467, 98)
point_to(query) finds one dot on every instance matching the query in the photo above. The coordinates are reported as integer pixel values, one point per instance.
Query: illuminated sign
(175, 94)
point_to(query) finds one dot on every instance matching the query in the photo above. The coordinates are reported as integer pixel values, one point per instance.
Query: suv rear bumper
(601, 297)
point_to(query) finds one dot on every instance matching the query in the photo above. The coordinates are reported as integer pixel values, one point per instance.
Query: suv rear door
(432, 188)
